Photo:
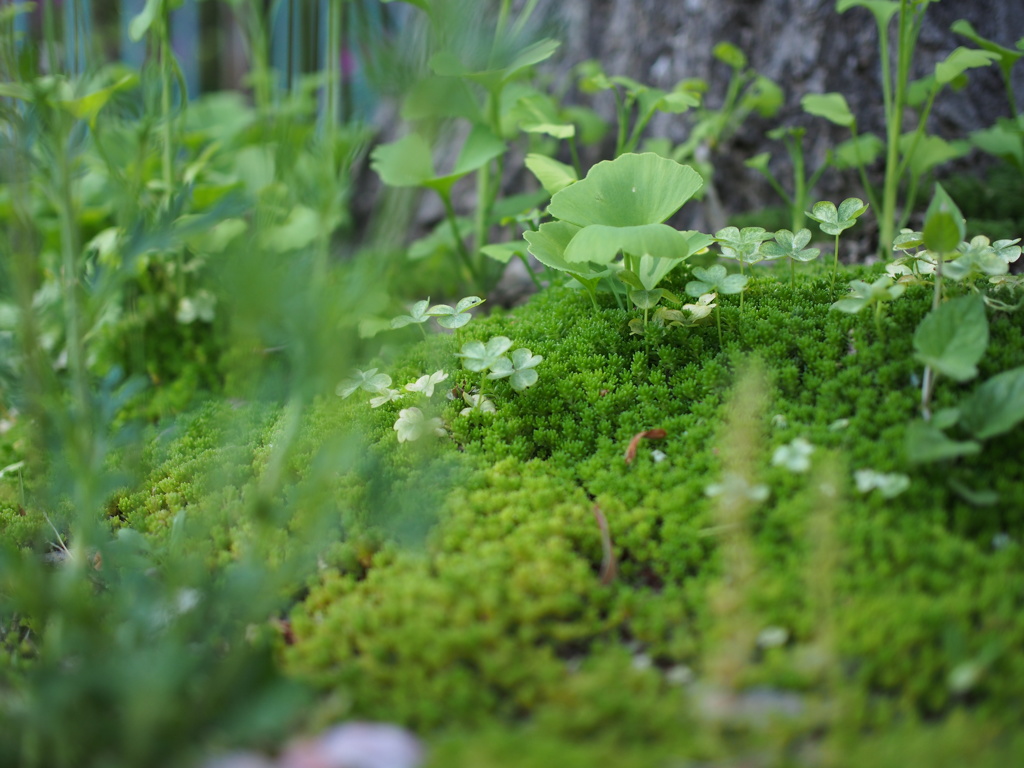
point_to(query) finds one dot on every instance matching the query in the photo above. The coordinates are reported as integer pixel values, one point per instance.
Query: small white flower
(412, 425)
(386, 396)
(796, 457)
(370, 381)
(426, 384)
(477, 403)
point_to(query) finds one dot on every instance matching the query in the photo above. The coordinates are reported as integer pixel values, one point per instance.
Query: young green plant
(715, 279)
(620, 207)
(906, 155)
(876, 294)
(792, 247)
(833, 221)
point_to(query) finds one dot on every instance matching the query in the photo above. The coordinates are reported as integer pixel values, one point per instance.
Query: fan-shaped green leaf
(407, 162)
(601, 244)
(553, 175)
(831, 106)
(959, 61)
(630, 191)
(883, 10)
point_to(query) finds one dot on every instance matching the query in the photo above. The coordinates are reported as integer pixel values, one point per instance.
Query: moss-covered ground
(822, 625)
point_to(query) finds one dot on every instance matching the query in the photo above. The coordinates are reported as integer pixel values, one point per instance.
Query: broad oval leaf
(925, 442)
(952, 339)
(646, 299)
(995, 407)
(944, 226)
(629, 191)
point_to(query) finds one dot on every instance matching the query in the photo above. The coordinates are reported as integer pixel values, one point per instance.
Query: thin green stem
(638, 128)
(460, 244)
(780, 190)
(575, 153)
(50, 32)
(480, 391)
(270, 482)
(524, 17)
(622, 110)
(799, 183)
(718, 320)
(69, 280)
(530, 272)
(835, 262)
(869, 190)
(896, 101)
(161, 31)
(503, 17)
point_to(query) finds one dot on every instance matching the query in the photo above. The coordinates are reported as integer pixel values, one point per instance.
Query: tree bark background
(805, 46)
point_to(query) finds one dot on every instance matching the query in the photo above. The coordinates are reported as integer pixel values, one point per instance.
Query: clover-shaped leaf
(478, 357)
(715, 279)
(742, 244)
(702, 309)
(412, 425)
(734, 489)
(791, 246)
(862, 294)
(426, 384)
(386, 396)
(368, 381)
(907, 239)
(688, 315)
(1007, 249)
(477, 403)
(795, 456)
(520, 368)
(417, 314)
(977, 257)
(455, 317)
(889, 485)
(832, 220)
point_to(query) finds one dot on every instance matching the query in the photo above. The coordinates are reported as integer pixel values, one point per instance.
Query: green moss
(499, 614)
